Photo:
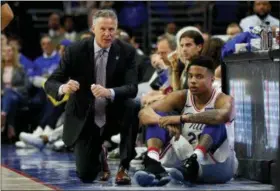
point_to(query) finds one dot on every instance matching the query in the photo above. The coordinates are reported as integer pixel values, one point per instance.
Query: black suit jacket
(78, 64)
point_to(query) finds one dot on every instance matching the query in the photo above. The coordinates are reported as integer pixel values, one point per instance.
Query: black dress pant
(122, 118)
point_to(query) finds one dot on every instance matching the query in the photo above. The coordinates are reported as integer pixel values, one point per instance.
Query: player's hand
(99, 91)
(174, 130)
(169, 120)
(70, 87)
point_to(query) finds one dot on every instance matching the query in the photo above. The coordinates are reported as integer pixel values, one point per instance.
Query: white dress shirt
(254, 20)
(97, 48)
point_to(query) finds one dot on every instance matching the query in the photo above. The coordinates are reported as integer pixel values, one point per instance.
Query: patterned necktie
(100, 103)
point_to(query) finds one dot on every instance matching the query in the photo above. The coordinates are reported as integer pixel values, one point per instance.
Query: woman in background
(213, 49)
(13, 88)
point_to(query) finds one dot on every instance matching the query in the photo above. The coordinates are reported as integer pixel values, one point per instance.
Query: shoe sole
(177, 175)
(144, 179)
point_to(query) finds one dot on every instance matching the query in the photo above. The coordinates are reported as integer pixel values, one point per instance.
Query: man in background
(261, 10)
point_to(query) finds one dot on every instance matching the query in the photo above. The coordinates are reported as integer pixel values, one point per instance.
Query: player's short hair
(203, 61)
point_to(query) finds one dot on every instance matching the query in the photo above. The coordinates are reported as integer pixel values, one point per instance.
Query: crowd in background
(162, 71)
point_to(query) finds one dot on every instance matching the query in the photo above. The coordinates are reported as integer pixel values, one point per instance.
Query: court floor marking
(27, 176)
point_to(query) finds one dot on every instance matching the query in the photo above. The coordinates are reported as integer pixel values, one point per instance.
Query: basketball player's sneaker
(153, 174)
(24, 136)
(186, 173)
(35, 140)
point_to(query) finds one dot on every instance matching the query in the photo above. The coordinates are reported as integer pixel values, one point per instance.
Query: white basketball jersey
(192, 131)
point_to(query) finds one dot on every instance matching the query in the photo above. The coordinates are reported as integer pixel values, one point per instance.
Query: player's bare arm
(173, 101)
(223, 112)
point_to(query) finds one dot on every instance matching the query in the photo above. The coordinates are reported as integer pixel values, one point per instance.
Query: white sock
(200, 155)
(153, 154)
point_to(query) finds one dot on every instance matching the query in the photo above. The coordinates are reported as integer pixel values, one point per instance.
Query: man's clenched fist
(99, 91)
(70, 87)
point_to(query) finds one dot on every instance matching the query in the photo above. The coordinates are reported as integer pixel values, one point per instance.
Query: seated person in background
(85, 35)
(14, 85)
(47, 63)
(160, 73)
(261, 10)
(69, 27)
(233, 29)
(190, 43)
(4, 43)
(43, 67)
(26, 62)
(56, 31)
(197, 143)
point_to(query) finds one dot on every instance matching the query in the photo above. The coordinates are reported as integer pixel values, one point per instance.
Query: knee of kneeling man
(131, 103)
(88, 176)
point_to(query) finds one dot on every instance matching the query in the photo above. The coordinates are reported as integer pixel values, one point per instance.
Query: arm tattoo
(213, 117)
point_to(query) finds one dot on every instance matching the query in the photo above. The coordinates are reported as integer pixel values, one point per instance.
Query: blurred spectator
(170, 30)
(213, 49)
(4, 43)
(165, 45)
(14, 85)
(233, 29)
(43, 67)
(7, 15)
(69, 27)
(47, 63)
(206, 37)
(157, 74)
(122, 35)
(136, 45)
(55, 30)
(86, 35)
(189, 43)
(261, 10)
(26, 62)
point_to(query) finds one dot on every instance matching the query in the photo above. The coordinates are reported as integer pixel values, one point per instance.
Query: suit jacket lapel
(113, 57)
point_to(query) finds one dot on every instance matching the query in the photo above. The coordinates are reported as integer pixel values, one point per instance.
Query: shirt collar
(97, 48)
(52, 55)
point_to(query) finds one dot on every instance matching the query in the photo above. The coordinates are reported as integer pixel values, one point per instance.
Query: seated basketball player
(196, 145)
